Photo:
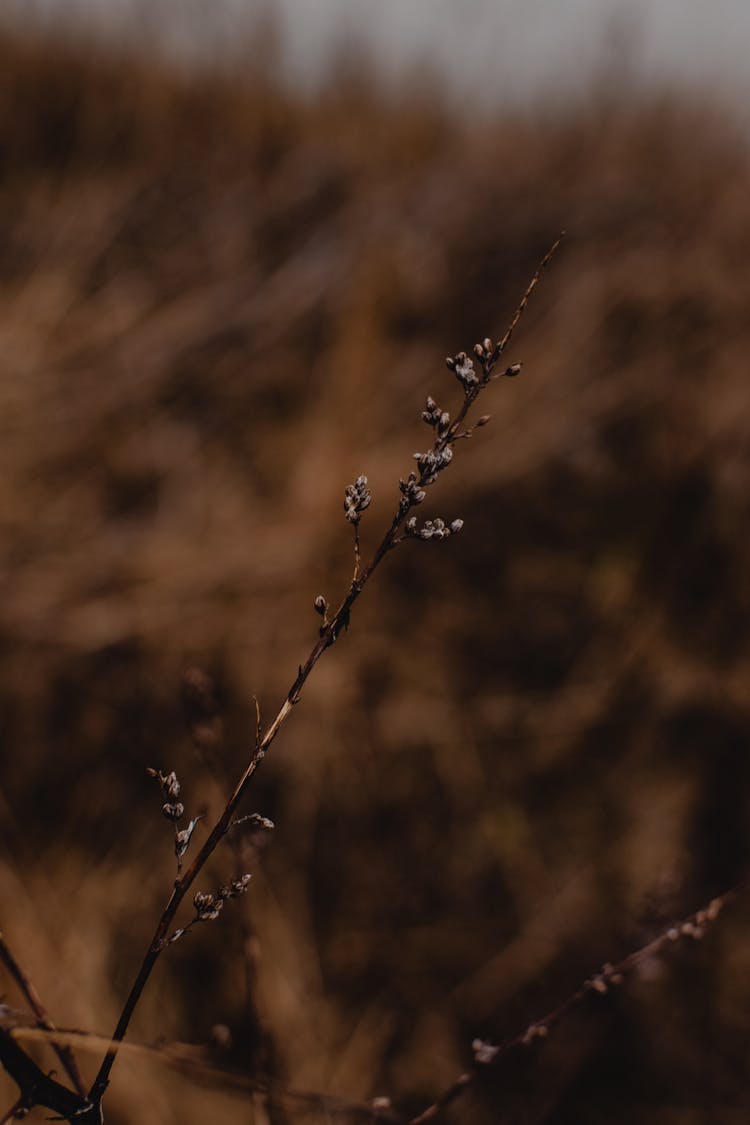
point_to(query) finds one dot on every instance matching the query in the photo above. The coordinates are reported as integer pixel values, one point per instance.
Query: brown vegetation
(218, 305)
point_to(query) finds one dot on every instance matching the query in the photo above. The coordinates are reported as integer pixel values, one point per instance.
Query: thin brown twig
(356, 552)
(26, 985)
(187, 1059)
(40, 1088)
(14, 1111)
(329, 633)
(527, 295)
(610, 975)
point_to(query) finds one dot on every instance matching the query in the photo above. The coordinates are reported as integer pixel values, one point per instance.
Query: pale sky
(485, 50)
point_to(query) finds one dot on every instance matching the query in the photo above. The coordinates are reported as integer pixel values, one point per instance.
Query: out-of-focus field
(218, 305)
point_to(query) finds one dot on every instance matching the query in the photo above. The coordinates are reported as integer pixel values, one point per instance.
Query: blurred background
(234, 249)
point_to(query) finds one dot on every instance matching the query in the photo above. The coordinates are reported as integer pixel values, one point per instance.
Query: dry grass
(218, 305)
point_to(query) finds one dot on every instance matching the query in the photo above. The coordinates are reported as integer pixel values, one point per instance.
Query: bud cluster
(209, 906)
(432, 529)
(695, 927)
(487, 354)
(486, 351)
(434, 416)
(533, 1032)
(321, 605)
(411, 492)
(484, 1053)
(604, 979)
(432, 463)
(174, 810)
(255, 822)
(357, 497)
(462, 367)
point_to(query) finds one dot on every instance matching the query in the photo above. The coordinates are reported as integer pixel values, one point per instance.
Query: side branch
(26, 985)
(38, 1088)
(610, 975)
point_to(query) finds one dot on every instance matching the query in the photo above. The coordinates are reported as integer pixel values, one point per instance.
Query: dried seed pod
(432, 412)
(357, 497)
(173, 811)
(463, 368)
(207, 906)
(170, 786)
(432, 463)
(239, 886)
(182, 838)
(484, 1053)
(321, 605)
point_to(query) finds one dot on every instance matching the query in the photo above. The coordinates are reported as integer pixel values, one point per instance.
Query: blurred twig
(26, 985)
(191, 1060)
(610, 975)
(16, 1110)
(38, 1088)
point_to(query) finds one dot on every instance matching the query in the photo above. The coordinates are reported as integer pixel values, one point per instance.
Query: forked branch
(487, 1055)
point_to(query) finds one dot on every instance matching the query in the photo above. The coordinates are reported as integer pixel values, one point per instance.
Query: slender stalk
(15, 1110)
(329, 634)
(26, 985)
(609, 976)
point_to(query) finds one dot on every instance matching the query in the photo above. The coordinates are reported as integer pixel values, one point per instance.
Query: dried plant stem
(356, 553)
(26, 985)
(529, 290)
(609, 976)
(38, 1088)
(329, 633)
(15, 1110)
(486, 1055)
(188, 1060)
(328, 636)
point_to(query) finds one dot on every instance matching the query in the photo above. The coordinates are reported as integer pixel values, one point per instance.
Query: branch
(18, 1109)
(64, 1054)
(610, 975)
(189, 1059)
(38, 1088)
(357, 499)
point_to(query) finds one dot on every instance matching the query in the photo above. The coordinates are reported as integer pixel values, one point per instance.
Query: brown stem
(356, 552)
(609, 976)
(328, 636)
(26, 985)
(527, 295)
(38, 1088)
(15, 1109)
